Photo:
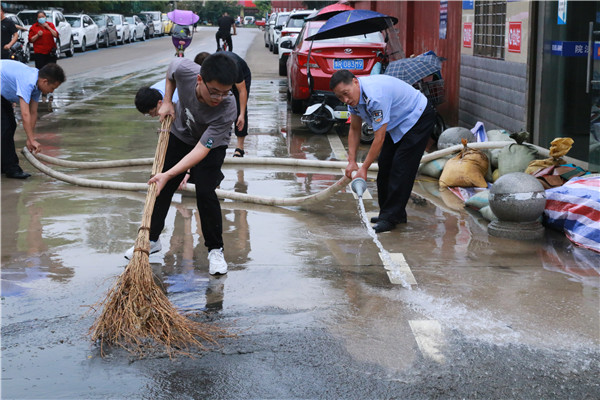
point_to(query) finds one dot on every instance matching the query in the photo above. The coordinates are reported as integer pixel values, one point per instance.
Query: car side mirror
(279, 27)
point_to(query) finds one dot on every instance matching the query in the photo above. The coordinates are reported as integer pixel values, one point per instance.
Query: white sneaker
(155, 247)
(216, 262)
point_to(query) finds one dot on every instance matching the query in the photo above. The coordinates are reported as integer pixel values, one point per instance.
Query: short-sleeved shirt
(225, 23)
(19, 80)
(388, 100)
(45, 43)
(243, 71)
(196, 121)
(160, 86)
(8, 30)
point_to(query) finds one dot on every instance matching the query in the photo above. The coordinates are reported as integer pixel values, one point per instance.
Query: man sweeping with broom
(199, 136)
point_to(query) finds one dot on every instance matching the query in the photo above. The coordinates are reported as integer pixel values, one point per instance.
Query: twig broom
(137, 313)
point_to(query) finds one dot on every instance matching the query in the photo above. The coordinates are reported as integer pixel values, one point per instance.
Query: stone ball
(517, 197)
(452, 136)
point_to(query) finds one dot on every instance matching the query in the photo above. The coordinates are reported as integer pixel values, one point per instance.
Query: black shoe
(20, 174)
(384, 226)
(374, 220)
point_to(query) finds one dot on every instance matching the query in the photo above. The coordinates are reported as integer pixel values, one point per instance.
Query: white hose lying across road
(223, 194)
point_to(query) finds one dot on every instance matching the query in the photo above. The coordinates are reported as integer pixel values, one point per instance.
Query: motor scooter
(183, 30)
(326, 112)
(17, 52)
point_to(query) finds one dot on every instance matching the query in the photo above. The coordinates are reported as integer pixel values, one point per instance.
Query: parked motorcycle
(17, 52)
(325, 113)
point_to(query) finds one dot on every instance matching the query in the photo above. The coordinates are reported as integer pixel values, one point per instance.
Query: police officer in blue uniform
(402, 120)
(23, 85)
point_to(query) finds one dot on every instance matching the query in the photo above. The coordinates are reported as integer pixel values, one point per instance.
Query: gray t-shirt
(196, 121)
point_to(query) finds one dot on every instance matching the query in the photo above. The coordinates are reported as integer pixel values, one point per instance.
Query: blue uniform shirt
(388, 100)
(161, 85)
(19, 80)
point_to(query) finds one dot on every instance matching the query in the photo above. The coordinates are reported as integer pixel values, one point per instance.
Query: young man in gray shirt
(200, 133)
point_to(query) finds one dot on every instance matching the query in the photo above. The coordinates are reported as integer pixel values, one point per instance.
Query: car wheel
(97, 44)
(297, 106)
(275, 48)
(107, 42)
(83, 46)
(71, 50)
(282, 67)
(270, 47)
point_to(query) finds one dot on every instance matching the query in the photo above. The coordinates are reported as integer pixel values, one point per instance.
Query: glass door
(593, 88)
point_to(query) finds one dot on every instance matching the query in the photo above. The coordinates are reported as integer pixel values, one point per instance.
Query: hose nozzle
(358, 186)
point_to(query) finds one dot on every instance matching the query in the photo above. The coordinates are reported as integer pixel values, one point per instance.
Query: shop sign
(514, 37)
(468, 34)
(571, 49)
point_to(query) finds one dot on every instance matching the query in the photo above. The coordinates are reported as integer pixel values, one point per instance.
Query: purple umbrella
(183, 17)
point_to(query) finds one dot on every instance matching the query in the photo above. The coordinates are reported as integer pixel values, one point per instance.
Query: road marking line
(429, 337)
(399, 271)
(339, 151)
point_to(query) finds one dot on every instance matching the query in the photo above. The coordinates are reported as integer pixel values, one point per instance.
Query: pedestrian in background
(42, 35)
(10, 35)
(403, 120)
(24, 85)
(241, 91)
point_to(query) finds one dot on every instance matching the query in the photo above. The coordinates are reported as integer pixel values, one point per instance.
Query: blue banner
(573, 49)
(467, 4)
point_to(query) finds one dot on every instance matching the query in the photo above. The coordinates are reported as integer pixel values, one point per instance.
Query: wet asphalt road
(308, 295)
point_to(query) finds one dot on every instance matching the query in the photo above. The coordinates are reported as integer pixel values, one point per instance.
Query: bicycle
(222, 45)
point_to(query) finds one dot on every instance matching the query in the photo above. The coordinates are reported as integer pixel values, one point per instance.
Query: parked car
(270, 21)
(156, 18)
(149, 25)
(275, 31)
(289, 33)
(137, 29)
(167, 24)
(355, 53)
(64, 42)
(85, 31)
(107, 31)
(249, 20)
(23, 35)
(122, 28)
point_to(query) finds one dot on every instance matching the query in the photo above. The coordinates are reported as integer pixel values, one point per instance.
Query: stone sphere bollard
(452, 136)
(518, 200)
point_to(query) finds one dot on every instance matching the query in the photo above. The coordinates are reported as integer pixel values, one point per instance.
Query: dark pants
(207, 176)
(43, 59)
(10, 160)
(398, 165)
(227, 37)
(244, 131)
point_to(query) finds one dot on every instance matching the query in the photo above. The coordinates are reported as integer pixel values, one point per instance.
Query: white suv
(156, 21)
(275, 31)
(64, 42)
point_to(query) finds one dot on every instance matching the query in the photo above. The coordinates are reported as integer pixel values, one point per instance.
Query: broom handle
(157, 166)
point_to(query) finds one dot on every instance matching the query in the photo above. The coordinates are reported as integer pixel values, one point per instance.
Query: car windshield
(100, 20)
(282, 19)
(28, 17)
(75, 22)
(129, 19)
(117, 19)
(295, 22)
(143, 18)
(374, 37)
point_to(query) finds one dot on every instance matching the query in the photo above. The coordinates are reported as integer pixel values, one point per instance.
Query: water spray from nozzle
(358, 185)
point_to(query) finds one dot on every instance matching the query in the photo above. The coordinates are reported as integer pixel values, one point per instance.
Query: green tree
(264, 7)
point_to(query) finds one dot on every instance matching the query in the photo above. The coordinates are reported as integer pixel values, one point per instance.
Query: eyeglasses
(214, 94)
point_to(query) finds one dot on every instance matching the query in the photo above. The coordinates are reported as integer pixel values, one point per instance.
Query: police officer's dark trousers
(207, 176)
(10, 160)
(398, 165)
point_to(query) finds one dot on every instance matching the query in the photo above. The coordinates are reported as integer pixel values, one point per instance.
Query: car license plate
(344, 63)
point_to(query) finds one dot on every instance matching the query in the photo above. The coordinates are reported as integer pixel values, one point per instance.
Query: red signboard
(514, 37)
(468, 34)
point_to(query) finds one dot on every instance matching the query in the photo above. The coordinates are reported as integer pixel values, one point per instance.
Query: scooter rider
(226, 22)
(402, 121)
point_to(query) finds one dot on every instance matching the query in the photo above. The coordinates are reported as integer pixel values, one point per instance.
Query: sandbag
(466, 169)
(479, 200)
(434, 168)
(488, 214)
(559, 147)
(517, 156)
(497, 135)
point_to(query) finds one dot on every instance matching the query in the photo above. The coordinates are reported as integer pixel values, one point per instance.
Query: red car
(355, 53)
